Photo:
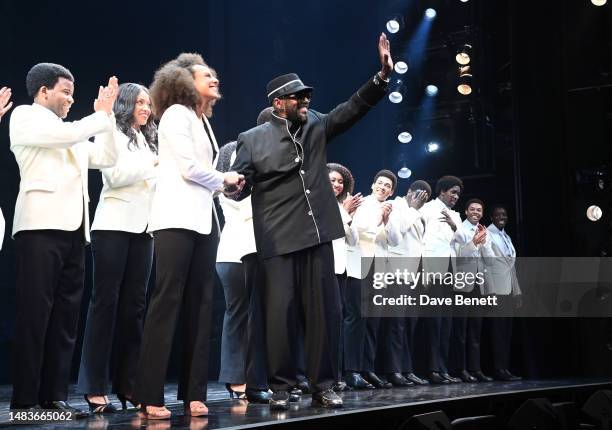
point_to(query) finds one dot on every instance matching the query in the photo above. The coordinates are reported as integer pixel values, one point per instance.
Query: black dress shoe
(356, 382)
(511, 376)
(279, 401)
(481, 377)
(258, 396)
(436, 378)
(415, 379)
(339, 386)
(398, 380)
(450, 379)
(63, 406)
(295, 394)
(304, 386)
(373, 379)
(466, 377)
(327, 399)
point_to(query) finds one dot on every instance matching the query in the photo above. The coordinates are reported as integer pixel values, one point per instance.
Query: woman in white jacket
(184, 224)
(122, 253)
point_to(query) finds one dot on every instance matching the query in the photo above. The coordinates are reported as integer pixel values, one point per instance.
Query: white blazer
(186, 176)
(127, 191)
(412, 231)
(53, 158)
(470, 257)
(438, 236)
(500, 277)
(339, 245)
(371, 240)
(2, 227)
(237, 237)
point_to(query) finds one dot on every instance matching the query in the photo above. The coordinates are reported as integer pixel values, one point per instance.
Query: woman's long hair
(347, 177)
(124, 115)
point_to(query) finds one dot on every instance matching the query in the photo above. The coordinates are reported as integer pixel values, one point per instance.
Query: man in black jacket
(295, 217)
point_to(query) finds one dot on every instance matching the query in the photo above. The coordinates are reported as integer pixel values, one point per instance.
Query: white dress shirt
(127, 191)
(186, 177)
(53, 158)
(237, 237)
(501, 274)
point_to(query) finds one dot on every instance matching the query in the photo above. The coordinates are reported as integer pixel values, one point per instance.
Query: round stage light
(431, 90)
(395, 97)
(464, 1)
(432, 147)
(404, 137)
(404, 172)
(401, 67)
(393, 26)
(430, 13)
(599, 2)
(463, 56)
(594, 213)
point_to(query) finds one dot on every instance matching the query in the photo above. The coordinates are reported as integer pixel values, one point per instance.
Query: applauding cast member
(186, 233)
(122, 255)
(51, 227)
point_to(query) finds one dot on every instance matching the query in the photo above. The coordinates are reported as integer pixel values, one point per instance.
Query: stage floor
(226, 413)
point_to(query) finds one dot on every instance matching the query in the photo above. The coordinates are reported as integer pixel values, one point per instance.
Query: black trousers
(501, 335)
(465, 340)
(121, 268)
(243, 340)
(438, 331)
(50, 266)
(303, 285)
(354, 327)
(410, 324)
(342, 291)
(185, 278)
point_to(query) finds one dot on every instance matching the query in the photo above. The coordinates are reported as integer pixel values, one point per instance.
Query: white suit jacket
(237, 236)
(371, 240)
(125, 200)
(186, 176)
(339, 245)
(500, 277)
(438, 236)
(412, 239)
(53, 158)
(470, 257)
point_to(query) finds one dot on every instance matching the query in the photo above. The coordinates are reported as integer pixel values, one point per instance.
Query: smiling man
(295, 218)
(51, 227)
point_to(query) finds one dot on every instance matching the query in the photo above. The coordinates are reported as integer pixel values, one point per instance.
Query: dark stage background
(541, 112)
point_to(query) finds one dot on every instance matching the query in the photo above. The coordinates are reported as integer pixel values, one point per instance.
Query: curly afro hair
(347, 177)
(173, 83)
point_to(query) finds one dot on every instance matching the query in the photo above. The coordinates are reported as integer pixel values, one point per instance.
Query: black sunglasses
(298, 96)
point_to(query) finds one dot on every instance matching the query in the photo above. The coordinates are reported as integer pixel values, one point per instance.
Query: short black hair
(420, 185)
(387, 174)
(265, 115)
(45, 75)
(478, 201)
(447, 182)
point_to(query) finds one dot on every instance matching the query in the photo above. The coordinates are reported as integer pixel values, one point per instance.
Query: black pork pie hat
(284, 85)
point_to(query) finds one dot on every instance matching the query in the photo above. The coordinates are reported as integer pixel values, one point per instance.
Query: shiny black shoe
(481, 377)
(295, 394)
(100, 408)
(64, 406)
(415, 379)
(339, 386)
(450, 379)
(327, 399)
(465, 376)
(398, 380)
(258, 396)
(279, 401)
(304, 386)
(511, 376)
(356, 382)
(373, 379)
(436, 378)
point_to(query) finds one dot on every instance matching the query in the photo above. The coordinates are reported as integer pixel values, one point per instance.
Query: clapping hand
(351, 203)
(386, 209)
(384, 52)
(5, 104)
(480, 236)
(107, 96)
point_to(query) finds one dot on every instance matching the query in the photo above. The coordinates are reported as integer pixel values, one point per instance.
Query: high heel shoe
(124, 399)
(159, 413)
(235, 394)
(100, 408)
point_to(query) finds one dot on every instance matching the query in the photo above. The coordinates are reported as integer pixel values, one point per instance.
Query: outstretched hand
(384, 52)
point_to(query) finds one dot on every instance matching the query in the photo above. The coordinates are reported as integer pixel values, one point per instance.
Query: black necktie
(212, 145)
